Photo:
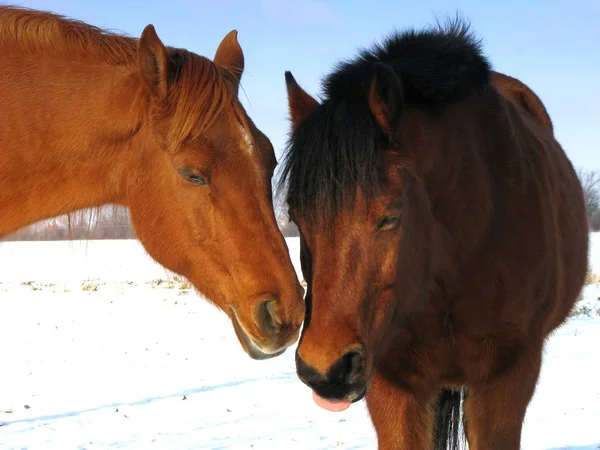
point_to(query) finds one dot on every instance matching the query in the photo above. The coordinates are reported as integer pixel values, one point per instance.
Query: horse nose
(267, 318)
(343, 378)
(278, 319)
(349, 368)
(308, 374)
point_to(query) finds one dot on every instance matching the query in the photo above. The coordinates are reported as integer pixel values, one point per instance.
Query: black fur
(337, 148)
(437, 65)
(447, 433)
(333, 151)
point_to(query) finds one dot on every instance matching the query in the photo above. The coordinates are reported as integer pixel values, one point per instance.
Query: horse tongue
(331, 405)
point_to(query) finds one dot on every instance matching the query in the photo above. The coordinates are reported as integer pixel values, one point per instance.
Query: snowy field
(101, 348)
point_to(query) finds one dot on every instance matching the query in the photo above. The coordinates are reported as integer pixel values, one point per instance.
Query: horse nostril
(344, 380)
(349, 368)
(268, 320)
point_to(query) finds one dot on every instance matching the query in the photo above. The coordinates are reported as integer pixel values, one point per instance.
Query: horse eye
(388, 223)
(196, 179)
(192, 177)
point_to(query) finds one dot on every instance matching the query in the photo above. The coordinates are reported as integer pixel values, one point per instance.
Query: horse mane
(200, 95)
(338, 147)
(51, 34)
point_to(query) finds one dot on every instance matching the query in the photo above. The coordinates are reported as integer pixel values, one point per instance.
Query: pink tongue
(331, 405)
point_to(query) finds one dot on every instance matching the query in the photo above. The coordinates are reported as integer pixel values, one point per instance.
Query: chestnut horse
(92, 118)
(443, 238)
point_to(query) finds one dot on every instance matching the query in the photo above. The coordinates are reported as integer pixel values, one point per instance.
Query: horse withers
(443, 238)
(92, 118)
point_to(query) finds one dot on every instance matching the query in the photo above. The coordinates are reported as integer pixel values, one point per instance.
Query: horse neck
(64, 139)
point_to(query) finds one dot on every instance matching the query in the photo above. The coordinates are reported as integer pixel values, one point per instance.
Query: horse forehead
(247, 148)
(247, 143)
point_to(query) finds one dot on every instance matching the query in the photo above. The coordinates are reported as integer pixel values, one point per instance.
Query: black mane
(337, 148)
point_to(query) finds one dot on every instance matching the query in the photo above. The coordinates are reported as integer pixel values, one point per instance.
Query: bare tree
(595, 221)
(106, 222)
(590, 181)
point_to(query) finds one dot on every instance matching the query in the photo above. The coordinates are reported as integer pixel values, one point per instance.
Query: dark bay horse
(91, 118)
(523, 96)
(443, 238)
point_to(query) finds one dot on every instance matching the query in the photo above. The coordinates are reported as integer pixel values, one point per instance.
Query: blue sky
(552, 45)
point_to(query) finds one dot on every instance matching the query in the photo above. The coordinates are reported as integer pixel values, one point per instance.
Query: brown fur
(522, 95)
(471, 252)
(92, 118)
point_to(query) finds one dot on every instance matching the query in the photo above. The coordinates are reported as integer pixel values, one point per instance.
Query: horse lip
(247, 342)
(351, 396)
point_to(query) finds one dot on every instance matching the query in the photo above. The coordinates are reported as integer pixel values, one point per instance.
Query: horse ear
(385, 97)
(153, 62)
(300, 103)
(229, 55)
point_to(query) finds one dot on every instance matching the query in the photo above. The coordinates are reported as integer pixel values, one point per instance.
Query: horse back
(534, 255)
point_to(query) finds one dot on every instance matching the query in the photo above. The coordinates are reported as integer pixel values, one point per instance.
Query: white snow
(96, 353)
